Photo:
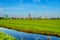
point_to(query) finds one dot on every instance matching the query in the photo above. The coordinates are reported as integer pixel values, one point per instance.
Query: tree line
(30, 18)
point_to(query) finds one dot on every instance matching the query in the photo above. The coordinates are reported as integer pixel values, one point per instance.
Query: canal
(27, 36)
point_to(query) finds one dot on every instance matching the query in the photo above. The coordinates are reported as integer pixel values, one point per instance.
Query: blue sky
(17, 8)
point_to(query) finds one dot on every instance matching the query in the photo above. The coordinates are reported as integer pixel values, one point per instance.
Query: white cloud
(13, 0)
(47, 1)
(43, 6)
(21, 1)
(36, 1)
(13, 8)
(1, 9)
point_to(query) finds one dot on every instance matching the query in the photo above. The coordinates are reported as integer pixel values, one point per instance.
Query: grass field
(4, 36)
(33, 26)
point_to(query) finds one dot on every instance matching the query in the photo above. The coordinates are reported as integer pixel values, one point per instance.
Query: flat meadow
(50, 27)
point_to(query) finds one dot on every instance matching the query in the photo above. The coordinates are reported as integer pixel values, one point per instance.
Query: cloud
(13, 8)
(47, 1)
(13, 0)
(1, 9)
(21, 1)
(17, 0)
(43, 6)
(10, 8)
(35, 1)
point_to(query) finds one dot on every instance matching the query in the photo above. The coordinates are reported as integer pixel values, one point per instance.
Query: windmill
(29, 16)
(6, 16)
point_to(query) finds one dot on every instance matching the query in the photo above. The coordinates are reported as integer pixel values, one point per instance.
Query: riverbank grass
(4, 36)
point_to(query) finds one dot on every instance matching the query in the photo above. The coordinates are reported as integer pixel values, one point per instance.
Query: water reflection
(27, 36)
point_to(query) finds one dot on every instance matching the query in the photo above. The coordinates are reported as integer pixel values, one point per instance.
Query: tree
(57, 18)
(1, 17)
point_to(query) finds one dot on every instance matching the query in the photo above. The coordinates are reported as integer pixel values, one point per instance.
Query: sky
(21, 8)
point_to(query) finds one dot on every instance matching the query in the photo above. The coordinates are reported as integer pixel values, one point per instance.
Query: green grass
(4, 36)
(34, 26)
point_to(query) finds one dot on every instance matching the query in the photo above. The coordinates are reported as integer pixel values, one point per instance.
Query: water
(27, 36)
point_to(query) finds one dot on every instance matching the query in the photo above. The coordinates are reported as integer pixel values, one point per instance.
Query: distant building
(29, 17)
(40, 17)
(45, 17)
